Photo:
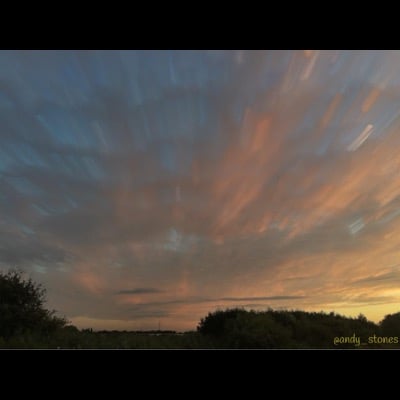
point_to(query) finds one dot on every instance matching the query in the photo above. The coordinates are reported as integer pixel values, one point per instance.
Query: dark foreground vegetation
(25, 323)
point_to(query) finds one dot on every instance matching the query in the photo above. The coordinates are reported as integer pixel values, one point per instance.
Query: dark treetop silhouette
(22, 307)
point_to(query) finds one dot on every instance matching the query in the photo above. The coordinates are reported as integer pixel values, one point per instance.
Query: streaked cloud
(261, 298)
(201, 179)
(140, 291)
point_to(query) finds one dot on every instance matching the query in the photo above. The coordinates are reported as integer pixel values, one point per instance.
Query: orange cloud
(284, 182)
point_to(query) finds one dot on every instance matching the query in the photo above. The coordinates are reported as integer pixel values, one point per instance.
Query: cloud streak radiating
(141, 186)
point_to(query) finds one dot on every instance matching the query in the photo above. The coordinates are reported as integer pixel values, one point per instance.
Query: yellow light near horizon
(375, 313)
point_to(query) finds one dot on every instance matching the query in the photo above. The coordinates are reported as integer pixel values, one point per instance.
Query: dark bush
(22, 308)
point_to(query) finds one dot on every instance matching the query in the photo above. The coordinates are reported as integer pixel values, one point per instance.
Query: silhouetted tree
(22, 307)
(237, 328)
(390, 325)
(217, 323)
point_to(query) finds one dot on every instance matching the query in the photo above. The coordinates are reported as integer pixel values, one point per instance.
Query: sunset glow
(151, 187)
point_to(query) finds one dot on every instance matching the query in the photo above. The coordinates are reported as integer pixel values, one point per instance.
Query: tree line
(26, 323)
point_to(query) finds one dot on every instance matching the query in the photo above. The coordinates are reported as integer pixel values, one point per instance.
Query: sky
(145, 189)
